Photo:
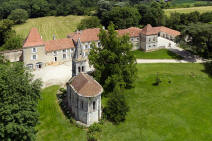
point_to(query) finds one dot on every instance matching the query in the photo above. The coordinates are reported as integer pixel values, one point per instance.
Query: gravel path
(54, 75)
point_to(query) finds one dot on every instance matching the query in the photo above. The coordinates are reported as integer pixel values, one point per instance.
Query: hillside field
(179, 109)
(48, 26)
(201, 9)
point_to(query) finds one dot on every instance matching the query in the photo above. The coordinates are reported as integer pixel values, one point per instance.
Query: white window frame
(30, 66)
(65, 56)
(36, 57)
(33, 50)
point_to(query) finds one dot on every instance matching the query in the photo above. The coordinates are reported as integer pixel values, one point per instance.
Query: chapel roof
(85, 85)
(33, 39)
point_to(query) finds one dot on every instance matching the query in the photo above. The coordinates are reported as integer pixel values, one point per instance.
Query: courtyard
(178, 109)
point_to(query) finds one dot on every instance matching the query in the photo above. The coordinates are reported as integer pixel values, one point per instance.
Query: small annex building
(84, 98)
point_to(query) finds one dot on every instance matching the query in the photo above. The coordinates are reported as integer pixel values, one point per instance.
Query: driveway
(54, 75)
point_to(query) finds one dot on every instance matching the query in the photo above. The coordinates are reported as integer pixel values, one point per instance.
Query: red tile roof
(33, 39)
(86, 35)
(86, 86)
(167, 30)
(59, 44)
(149, 30)
(132, 31)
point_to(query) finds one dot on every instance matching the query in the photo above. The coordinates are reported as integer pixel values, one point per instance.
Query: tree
(19, 95)
(18, 16)
(122, 17)
(114, 62)
(116, 108)
(206, 17)
(198, 37)
(5, 30)
(90, 22)
(14, 42)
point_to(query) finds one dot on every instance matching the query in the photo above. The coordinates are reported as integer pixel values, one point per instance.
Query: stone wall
(13, 55)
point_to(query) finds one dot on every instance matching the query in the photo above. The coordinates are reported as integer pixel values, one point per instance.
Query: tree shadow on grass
(208, 68)
(174, 55)
(63, 102)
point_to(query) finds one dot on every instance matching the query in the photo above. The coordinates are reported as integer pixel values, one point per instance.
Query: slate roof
(85, 85)
(33, 39)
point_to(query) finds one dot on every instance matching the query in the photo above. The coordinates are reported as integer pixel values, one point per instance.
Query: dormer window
(34, 50)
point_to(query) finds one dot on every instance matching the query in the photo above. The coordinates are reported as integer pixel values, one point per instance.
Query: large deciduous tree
(122, 17)
(18, 16)
(19, 95)
(114, 63)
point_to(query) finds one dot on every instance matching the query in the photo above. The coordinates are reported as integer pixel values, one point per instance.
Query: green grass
(175, 111)
(201, 9)
(49, 26)
(53, 126)
(158, 54)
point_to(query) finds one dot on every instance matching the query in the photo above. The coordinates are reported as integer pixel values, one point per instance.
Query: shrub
(62, 90)
(90, 22)
(95, 128)
(91, 137)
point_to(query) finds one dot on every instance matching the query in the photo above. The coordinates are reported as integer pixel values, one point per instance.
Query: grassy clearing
(178, 109)
(189, 10)
(49, 26)
(53, 126)
(158, 54)
(186, 2)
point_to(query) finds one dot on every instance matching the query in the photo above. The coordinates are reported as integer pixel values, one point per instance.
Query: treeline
(40, 8)
(140, 15)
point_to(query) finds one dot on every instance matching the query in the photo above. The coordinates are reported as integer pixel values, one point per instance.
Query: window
(64, 56)
(38, 65)
(79, 69)
(34, 57)
(34, 50)
(150, 39)
(55, 59)
(83, 68)
(30, 66)
(154, 39)
(99, 44)
(55, 53)
(94, 105)
(81, 104)
(64, 51)
(158, 33)
(86, 46)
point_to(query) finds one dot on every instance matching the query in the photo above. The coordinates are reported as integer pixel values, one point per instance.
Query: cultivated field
(49, 26)
(178, 109)
(158, 54)
(188, 10)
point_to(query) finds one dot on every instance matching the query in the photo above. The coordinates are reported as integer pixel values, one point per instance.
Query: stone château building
(38, 53)
(84, 98)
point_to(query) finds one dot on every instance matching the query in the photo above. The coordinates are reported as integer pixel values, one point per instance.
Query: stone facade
(38, 54)
(84, 103)
(13, 55)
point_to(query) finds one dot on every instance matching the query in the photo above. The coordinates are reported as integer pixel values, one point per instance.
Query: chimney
(54, 37)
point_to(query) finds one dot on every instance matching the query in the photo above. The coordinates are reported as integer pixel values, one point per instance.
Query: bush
(91, 137)
(117, 108)
(90, 22)
(62, 90)
(95, 128)
(18, 16)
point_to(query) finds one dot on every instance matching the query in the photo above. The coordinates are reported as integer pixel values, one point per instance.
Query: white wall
(162, 42)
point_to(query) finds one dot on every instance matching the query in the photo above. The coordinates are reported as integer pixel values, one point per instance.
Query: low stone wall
(13, 55)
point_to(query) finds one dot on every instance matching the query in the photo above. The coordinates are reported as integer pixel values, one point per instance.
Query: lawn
(201, 9)
(53, 126)
(158, 54)
(48, 26)
(179, 109)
